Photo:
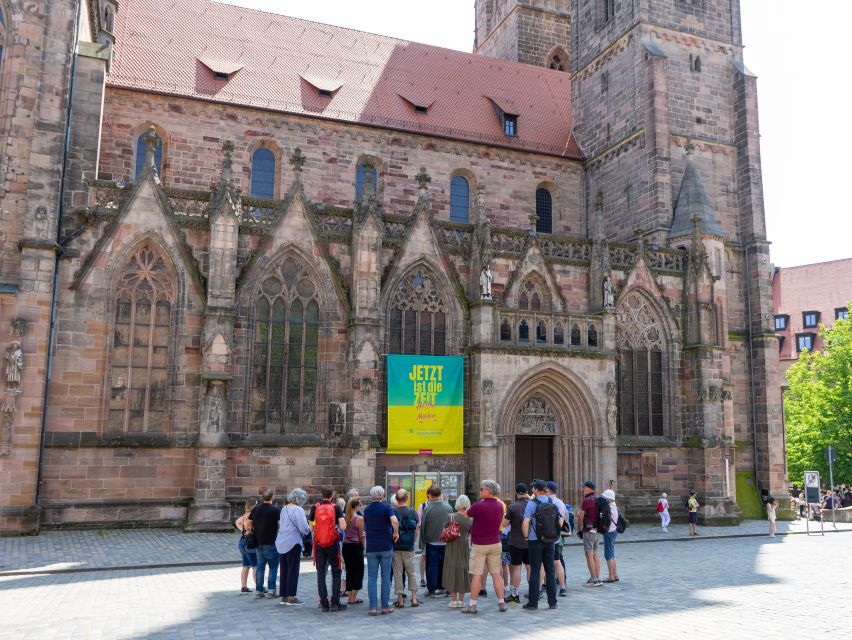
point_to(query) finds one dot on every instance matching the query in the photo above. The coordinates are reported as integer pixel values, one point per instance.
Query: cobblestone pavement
(705, 588)
(98, 549)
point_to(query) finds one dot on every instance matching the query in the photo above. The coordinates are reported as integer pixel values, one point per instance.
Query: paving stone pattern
(713, 587)
(97, 549)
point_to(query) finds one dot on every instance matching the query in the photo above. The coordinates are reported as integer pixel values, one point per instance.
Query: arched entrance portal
(548, 429)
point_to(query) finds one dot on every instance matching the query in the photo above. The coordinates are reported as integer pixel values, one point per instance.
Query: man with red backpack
(327, 522)
(588, 528)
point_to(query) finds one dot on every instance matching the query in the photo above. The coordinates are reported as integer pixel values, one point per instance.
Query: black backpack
(546, 521)
(603, 519)
(622, 523)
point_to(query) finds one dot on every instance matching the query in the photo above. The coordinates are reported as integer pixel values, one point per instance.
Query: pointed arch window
(263, 173)
(640, 364)
(360, 172)
(140, 155)
(530, 297)
(558, 61)
(459, 199)
(285, 354)
(543, 211)
(418, 317)
(505, 331)
(140, 351)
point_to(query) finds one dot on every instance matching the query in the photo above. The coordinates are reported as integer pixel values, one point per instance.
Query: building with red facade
(217, 221)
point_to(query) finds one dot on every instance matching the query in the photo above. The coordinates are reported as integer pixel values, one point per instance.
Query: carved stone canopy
(535, 418)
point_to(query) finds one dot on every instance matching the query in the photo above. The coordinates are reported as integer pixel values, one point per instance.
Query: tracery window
(459, 199)
(140, 350)
(641, 348)
(418, 317)
(286, 345)
(558, 61)
(530, 298)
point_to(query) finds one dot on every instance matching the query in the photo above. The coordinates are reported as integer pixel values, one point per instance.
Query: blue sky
(797, 51)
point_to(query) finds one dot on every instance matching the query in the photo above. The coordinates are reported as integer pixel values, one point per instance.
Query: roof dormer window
(325, 93)
(223, 70)
(326, 87)
(419, 99)
(510, 124)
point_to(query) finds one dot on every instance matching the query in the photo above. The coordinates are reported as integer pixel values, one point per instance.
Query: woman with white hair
(382, 529)
(457, 556)
(663, 510)
(292, 528)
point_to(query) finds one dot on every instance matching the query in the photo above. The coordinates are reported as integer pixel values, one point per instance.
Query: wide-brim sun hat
(609, 494)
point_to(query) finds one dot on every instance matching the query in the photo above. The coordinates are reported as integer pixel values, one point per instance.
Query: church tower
(530, 31)
(665, 113)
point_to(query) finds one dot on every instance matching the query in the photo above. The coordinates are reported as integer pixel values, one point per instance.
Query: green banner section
(425, 404)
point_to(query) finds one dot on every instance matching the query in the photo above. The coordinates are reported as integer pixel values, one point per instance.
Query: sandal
(373, 612)
(608, 580)
(358, 601)
(399, 605)
(387, 612)
(415, 604)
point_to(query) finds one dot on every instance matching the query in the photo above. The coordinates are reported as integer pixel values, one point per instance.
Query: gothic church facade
(217, 222)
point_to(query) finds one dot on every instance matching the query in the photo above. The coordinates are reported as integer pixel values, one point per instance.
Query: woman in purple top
(353, 550)
(382, 529)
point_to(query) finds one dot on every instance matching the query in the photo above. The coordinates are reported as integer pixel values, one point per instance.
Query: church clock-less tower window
(285, 352)
(141, 338)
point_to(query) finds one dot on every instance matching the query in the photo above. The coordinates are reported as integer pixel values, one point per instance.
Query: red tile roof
(280, 63)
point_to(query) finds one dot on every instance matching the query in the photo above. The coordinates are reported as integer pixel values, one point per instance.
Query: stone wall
(193, 132)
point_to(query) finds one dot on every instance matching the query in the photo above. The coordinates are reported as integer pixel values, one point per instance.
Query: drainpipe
(51, 335)
(751, 371)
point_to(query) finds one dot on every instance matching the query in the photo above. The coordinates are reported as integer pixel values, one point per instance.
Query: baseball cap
(552, 486)
(609, 494)
(539, 485)
(520, 488)
(589, 484)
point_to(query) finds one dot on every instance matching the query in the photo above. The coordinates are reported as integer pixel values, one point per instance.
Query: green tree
(818, 406)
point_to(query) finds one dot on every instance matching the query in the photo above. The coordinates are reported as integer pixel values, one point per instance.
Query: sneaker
(245, 590)
(337, 607)
(552, 606)
(590, 581)
(433, 594)
(483, 593)
(423, 583)
(530, 607)
(502, 607)
(441, 592)
(563, 592)
(260, 595)
(293, 601)
(271, 594)
(471, 608)
(597, 583)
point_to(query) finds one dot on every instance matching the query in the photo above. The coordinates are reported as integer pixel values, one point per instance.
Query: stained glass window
(286, 349)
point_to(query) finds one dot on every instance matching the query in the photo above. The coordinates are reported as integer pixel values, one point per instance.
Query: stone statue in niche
(14, 366)
(6, 435)
(485, 280)
(215, 415)
(487, 415)
(608, 293)
(337, 417)
(611, 409)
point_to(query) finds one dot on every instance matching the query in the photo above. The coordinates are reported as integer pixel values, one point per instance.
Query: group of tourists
(461, 546)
